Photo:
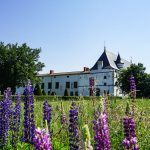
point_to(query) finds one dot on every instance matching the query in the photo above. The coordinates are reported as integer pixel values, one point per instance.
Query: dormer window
(100, 64)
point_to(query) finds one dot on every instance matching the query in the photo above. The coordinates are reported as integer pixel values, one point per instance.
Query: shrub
(66, 92)
(43, 92)
(37, 90)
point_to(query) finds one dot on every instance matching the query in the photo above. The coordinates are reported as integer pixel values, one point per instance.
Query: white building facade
(104, 72)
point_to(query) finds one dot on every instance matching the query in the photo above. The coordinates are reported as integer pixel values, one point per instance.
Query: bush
(37, 90)
(66, 92)
(43, 92)
(54, 98)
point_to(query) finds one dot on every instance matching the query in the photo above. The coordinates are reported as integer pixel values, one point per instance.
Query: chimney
(86, 69)
(100, 64)
(51, 72)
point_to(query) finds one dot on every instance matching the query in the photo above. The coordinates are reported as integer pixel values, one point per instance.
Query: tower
(118, 62)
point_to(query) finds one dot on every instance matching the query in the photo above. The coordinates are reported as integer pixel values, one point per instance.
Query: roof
(109, 61)
(65, 73)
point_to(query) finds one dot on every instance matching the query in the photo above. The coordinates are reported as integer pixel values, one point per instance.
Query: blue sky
(71, 33)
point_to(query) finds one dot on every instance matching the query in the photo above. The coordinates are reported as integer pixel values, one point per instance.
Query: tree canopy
(18, 64)
(141, 77)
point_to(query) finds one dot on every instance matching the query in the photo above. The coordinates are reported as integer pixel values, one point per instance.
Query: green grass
(87, 108)
(116, 111)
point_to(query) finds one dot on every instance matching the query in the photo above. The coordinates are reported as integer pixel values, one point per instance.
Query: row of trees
(141, 77)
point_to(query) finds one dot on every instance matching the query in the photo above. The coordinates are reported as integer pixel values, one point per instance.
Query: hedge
(55, 98)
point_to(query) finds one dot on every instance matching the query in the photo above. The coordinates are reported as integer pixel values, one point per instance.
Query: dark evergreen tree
(43, 92)
(37, 90)
(66, 92)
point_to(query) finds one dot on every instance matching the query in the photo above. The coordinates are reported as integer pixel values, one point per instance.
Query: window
(105, 77)
(76, 93)
(49, 85)
(67, 85)
(71, 93)
(42, 86)
(75, 84)
(57, 85)
(105, 84)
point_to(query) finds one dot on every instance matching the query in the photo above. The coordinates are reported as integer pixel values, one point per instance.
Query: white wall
(62, 83)
(83, 82)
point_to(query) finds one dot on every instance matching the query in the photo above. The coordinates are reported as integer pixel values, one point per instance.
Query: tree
(142, 79)
(17, 65)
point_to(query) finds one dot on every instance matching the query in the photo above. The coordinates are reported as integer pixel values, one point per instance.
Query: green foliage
(142, 79)
(37, 90)
(43, 92)
(20, 146)
(24, 146)
(18, 64)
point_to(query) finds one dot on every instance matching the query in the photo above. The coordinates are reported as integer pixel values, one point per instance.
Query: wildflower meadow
(100, 123)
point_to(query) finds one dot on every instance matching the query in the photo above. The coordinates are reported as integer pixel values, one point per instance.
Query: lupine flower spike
(92, 85)
(5, 114)
(73, 127)
(47, 115)
(42, 140)
(130, 141)
(16, 120)
(132, 87)
(102, 137)
(29, 123)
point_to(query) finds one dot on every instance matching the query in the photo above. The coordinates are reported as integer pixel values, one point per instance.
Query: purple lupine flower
(8, 100)
(102, 137)
(5, 113)
(16, 117)
(47, 115)
(130, 141)
(18, 111)
(73, 127)
(132, 86)
(4, 123)
(42, 140)
(29, 123)
(92, 85)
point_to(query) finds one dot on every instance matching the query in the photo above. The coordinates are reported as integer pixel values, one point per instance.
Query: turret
(119, 63)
